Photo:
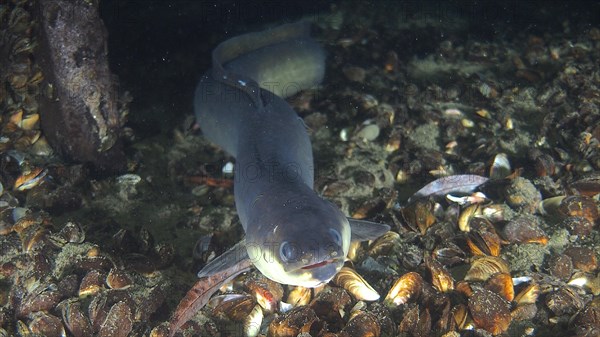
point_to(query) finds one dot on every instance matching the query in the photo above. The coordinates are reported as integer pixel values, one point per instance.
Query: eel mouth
(318, 264)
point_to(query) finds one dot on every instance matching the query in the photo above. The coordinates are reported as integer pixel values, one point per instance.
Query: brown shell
(33, 238)
(30, 179)
(528, 295)
(524, 229)
(482, 238)
(464, 288)
(564, 301)
(578, 225)
(583, 258)
(589, 316)
(440, 277)
(91, 283)
(462, 317)
(419, 215)
(298, 320)
(464, 218)
(384, 244)
(524, 312)
(544, 165)
(75, 320)
(234, 306)
(40, 297)
(363, 324)
(267, 292)
(484, 267)
(501, 284)
(407, 287)
(416, 322)
(449, 254)
(489, 311)
(561, 266)
(329, 302)
(46, 324)
(578, 205)
(588, 186)
(119, 321)
(72, 232)
(118, 279)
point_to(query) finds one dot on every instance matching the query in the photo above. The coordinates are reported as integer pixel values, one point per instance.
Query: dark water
(159, 48)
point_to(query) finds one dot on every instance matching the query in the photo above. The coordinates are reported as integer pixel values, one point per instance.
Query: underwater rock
(81, 117)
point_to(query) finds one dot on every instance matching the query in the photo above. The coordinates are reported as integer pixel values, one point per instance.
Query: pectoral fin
(235, 255)
(363, 230)
(218, 272)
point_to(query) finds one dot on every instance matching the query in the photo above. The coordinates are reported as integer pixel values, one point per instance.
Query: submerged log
(80, 116)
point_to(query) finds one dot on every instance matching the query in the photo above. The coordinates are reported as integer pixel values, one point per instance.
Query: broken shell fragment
(350, 280)
(407, 287)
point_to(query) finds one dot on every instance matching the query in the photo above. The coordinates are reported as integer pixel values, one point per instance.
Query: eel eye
(336, 237)
(287, 252)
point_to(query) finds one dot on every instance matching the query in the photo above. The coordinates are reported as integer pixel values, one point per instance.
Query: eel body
(293, 236)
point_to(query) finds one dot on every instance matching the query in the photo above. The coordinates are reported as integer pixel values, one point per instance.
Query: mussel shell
(407, 287)
(350, 280)
(363, 324)
(45, 324)
(118, 322)
(484, 267)
(74, 318)
(293, 322)
(524, 229)
(489, 311)
(501, 284)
